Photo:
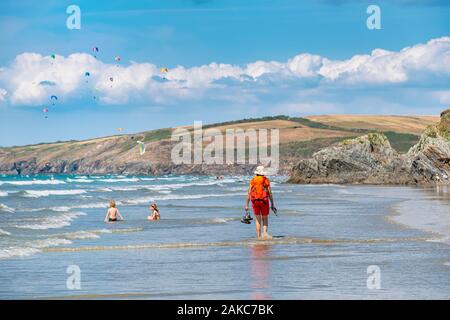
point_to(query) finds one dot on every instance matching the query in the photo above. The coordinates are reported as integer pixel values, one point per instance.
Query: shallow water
(326, 236)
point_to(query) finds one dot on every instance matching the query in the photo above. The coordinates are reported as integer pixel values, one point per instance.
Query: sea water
(326, 238)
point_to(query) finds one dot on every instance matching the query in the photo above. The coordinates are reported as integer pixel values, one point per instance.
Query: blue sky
(271, 57)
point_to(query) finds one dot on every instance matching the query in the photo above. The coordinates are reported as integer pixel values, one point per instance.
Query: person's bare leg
(258, 225)
(265, 221)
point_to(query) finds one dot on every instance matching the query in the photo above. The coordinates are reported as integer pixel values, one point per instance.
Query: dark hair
(154, 206)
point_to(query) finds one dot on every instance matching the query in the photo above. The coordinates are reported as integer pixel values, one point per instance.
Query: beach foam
(5, 208)
(31, 247)
(177, 197)
(50, 222)
(112, 180)
(95, 205)
(4, 233)
(32, 182)
(93, 234)
(104, 189)
(79, 180)
(46, 193)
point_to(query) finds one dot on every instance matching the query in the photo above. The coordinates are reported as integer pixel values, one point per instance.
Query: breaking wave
(32, 182)
(4, 233)
(177, 197)
(112, 180)
(51, 222)
(5, 208)
(79, 180)
(46, 193)
(31, 247)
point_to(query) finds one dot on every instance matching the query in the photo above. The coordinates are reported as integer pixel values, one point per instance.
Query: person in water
(113, 213)
(260, 194)
(155, 212)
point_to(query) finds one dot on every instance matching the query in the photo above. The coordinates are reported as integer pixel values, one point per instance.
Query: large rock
(366, 159)
(370, 159)
(429, 159)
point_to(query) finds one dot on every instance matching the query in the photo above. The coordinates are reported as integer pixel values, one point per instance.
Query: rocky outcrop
(370, 159)
(429, 159)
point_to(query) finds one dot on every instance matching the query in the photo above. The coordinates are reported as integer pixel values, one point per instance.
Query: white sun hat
(260, 171)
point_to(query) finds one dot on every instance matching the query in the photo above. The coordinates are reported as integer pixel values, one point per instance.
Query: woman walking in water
(260, 194)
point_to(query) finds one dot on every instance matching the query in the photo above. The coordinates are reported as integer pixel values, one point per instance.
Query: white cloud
(3, 93)
(305, 65)
(145, 82)
(383, 66)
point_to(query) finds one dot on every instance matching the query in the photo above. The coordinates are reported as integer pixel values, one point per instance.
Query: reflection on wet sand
(443, 190)
(259, 271)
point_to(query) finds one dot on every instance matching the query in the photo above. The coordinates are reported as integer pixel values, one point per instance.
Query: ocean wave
(177, 197)
(32, 182)
(156, 187)
(4, 233)
(94, 205)
(50, 222)
(31, 247)
(94, 234)
(78, 235)
(124, 188)
(46, 193)
(79, 180)
(5, 208)
(112, 180)
(160, 196)
(251, 242)
(199, 183)
(105, 189)
(172, 178)
(39, 245)
(137, 187)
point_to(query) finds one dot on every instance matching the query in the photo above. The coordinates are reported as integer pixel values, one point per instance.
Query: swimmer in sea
(155, 212)
(113, 213)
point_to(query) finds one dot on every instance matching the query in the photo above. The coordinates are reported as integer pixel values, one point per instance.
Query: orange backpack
(258, 187)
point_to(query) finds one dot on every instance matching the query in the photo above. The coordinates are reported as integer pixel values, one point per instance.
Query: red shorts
(261, 207)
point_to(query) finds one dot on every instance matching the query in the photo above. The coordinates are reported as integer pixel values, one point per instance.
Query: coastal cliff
(370, 159)
(299, 138)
